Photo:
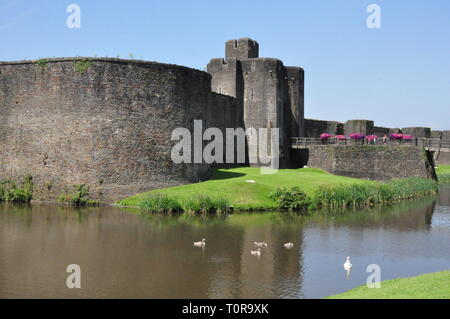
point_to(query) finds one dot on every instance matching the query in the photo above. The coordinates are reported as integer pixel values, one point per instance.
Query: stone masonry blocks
(108, 127)
(244, 48)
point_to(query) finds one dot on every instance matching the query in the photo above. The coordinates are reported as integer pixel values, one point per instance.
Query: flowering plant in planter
(357, 136)
(340, 137)
(371, 138)
(408, 137)
(325, 136)
(396, 136)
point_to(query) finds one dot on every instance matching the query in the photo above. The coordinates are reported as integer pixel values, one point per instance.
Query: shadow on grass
(220, 174)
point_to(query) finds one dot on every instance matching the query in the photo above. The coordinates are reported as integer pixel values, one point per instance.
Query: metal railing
(429, 143)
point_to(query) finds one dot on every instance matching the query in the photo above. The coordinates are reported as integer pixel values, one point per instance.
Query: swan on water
(256, 252)
(348, 264)
(289, 245)
(201, 243)
(260, 244)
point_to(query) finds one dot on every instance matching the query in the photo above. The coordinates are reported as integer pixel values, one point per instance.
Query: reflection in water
(132, 255)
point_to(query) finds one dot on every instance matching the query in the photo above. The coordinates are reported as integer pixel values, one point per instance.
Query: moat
(128, 255)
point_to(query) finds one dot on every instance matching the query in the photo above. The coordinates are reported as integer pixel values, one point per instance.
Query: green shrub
(6, 188)
(358, 195)
(9, 192)
(222, 205)
(81, 66)
(206, 204)
(160, 203)
(80, 198)
(290, 199)
(42, 63)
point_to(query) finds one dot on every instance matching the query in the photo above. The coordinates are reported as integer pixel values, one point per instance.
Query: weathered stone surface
(107, 123)
(223, 114)
(244, 48)
(394, 131)
(269, 93)
(436, 134)
(381, 131)
(419, 132)
(264, 100)
(364, 127)
(108, 127)
(446, 135)
(296, 107)
(314, 128)
(442, 158)
(372, 162)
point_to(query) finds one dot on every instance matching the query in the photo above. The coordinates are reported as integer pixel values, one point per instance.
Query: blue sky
(398, 75)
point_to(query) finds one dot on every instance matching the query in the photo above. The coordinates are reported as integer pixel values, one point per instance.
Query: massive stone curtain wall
(107, 125)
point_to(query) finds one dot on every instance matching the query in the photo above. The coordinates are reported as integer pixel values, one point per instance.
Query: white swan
(289, 245)
(348, 264)
(348, 267)
(201, 243)
(260, 244)
(256, 252)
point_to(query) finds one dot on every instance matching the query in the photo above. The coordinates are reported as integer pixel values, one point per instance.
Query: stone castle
(108, 122)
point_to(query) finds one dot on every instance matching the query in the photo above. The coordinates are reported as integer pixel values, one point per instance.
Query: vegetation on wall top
(81, 66)
(42, 63)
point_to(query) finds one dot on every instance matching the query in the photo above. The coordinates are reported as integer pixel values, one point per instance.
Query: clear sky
(397, 75)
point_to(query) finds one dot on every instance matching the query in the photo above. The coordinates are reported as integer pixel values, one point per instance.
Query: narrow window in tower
(252, 94)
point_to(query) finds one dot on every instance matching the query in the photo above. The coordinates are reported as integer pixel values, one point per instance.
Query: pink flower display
(396, 136)
(340, 137)
(408, 137)
(357, 136)
(325, 136)
(371, 138)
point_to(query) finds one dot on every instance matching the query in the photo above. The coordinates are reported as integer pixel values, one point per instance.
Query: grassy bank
(428, 286)
(247, 189)
(377, 193)
(443, 173)
(232, 184)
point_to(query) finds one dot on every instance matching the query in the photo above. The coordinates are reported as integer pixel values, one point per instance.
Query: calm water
(126, 255)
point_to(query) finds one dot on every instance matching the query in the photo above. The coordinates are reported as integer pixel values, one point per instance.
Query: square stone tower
(268, 93)
(244, 48)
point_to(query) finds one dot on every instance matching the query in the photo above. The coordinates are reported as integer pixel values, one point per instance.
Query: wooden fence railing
(430, 143)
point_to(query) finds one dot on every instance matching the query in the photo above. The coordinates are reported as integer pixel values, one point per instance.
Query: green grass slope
(428, 286)
(231, 183)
